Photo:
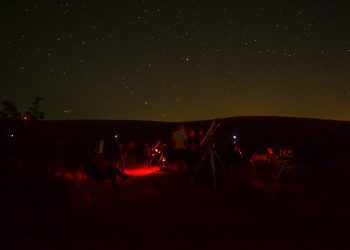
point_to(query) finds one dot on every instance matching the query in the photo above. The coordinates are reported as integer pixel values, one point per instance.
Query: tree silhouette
(9, 111)
(34, 112)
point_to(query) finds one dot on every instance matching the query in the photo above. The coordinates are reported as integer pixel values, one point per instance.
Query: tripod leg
(165, 162)
(150, 161)
(219, 159)
(161, 160)
(213, 167)
(199, 167)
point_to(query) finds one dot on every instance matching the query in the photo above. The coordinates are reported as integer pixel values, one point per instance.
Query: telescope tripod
(212, 154)
(162, 163)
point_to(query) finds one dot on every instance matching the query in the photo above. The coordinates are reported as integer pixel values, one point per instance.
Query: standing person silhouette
(193, 151)
(179, 140)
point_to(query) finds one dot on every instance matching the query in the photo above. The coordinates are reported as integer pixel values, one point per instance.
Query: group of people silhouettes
(110, 155)
(186, 148)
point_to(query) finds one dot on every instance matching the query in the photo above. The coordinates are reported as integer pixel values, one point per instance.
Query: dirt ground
(163, 210)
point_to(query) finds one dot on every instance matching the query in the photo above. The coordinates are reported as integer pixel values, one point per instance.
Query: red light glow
(142, 171)
(79, 176)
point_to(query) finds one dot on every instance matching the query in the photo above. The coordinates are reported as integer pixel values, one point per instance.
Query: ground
(164, 210)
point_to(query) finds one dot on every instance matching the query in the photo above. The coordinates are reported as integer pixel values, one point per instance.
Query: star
(114, 54)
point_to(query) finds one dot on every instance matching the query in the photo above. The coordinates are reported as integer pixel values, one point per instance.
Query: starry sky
(177, 60)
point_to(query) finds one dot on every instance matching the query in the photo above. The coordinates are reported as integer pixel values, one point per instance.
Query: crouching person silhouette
(105, 164)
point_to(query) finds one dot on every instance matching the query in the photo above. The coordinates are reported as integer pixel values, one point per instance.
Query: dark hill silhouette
(320, 146)
(301, 134)
(323, 143)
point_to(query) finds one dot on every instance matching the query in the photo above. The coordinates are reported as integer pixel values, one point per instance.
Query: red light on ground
(143, 171)
(80, 176)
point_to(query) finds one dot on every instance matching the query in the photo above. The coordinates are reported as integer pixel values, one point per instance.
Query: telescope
(159, 148)
(209, 135)
(210, 152)
(158, 151)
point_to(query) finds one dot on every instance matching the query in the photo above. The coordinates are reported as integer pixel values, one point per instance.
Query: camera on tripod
(158, 156)
(158, 149)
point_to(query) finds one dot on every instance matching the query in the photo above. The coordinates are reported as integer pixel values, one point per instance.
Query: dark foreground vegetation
(248, 210)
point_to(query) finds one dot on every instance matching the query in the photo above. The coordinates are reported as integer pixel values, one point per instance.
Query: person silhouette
(179, 140)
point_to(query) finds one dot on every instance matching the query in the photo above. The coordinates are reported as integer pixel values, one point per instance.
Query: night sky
(177, 60)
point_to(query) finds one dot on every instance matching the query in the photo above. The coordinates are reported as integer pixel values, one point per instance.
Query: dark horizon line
(204, 120)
